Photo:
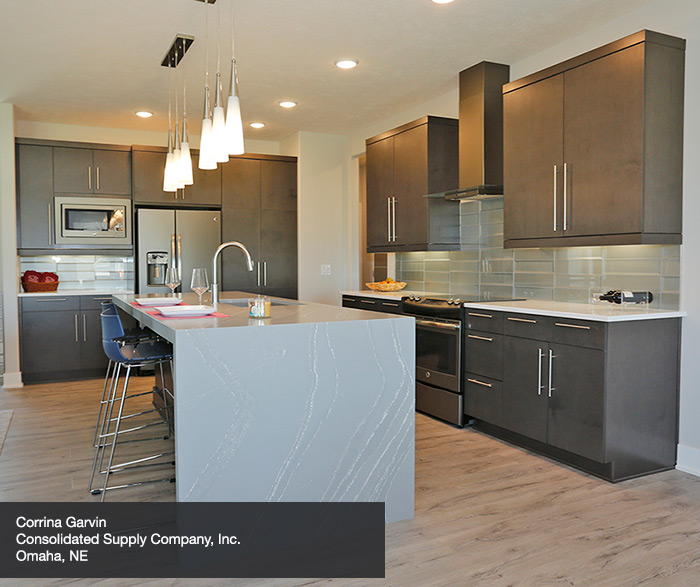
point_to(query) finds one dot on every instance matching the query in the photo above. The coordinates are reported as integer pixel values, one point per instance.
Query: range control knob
(457, 301)
(450, 302)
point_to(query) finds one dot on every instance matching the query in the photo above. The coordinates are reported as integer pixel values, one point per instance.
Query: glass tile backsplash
(85, 271)
(484, 267)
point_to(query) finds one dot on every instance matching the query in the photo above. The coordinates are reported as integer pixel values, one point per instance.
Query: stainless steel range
(439, 386)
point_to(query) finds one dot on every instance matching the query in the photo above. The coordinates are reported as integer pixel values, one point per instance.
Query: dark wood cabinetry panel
(92, 355)
(112, 170)
(241, 184)
(147, 169)
(206, 189)
(35, 197)
(403, 166)
(618, 111)
(73, 171)
(50, 343)
(525, 401)
(603, 123)
(533, 160)
(242, 226)
(278, 249)
(278, 185)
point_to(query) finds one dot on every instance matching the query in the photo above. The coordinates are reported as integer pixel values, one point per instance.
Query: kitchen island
(315, 403)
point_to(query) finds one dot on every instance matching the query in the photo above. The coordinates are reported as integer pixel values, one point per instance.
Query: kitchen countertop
(276, 409)
(74, 292)
(390, 295)
(596, 312)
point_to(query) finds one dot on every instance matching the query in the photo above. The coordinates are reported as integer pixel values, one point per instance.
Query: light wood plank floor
(487, 513)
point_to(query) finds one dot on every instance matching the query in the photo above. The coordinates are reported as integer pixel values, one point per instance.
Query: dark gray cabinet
(259, 209)
(372, 304)
(403, 166)
(148, 168)
(601, 396)
(61, 338)
(83, 170)
(34, 196)
(593, 147)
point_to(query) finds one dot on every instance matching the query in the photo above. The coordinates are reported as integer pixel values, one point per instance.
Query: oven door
(438, 353)
(98, 222)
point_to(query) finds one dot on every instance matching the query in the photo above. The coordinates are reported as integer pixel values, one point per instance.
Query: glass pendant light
(185, 165)
(234, 123)
(168, 180)
(206, 155)
(176, 174)
(218, 131)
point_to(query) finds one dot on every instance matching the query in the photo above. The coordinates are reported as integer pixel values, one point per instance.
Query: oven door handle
(440, 325)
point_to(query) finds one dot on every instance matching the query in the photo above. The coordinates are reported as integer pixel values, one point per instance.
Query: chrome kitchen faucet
(215, 283)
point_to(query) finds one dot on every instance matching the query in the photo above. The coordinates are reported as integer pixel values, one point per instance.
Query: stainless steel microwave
(98, 222)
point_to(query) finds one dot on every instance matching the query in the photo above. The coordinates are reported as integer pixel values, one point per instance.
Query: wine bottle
(619, 296)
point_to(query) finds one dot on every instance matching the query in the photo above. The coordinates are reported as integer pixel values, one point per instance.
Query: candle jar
(259, 307)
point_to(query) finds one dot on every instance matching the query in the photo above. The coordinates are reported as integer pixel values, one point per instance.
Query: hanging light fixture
(207, 160)
(185, 155)
(218, 130)
(174, 174)
(234, 123)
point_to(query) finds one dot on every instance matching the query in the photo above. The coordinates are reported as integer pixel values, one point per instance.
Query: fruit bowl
(386, 286)
(34, 287)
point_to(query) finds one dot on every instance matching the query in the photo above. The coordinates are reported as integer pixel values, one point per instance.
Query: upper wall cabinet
(148, 166)
(83, 170)
(403, 166)
(593, 148)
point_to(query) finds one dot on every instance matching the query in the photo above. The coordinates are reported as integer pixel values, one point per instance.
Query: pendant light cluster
(178, 163)
(222, 134)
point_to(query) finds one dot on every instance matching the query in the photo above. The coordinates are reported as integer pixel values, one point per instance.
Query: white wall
(8, 247)
(322, 217)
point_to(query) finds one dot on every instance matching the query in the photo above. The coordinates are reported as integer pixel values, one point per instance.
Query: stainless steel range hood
(481, 131)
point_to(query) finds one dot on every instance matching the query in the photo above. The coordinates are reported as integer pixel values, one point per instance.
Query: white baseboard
(12, 380)
(688, 459)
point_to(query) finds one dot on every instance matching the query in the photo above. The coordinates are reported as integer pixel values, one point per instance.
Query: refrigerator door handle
(173, 256)
(179, 255)
(259, 273)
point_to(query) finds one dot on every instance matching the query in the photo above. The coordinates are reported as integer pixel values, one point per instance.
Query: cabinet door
(50, 341)
(575, 420)
(91, 354)
(35, 196)
(112, 172)
(73, 172)
(278, 251)
(411, 185)
(148, 168)
(604, 144)
(278, 189)
(242, 226)
(206, 190)
(524, 389)
(240, 185)
(533, 127)
(380, 188)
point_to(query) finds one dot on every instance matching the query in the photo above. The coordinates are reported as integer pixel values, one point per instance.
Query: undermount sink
(243, 302)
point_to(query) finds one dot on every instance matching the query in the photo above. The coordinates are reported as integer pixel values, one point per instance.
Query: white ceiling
(95, 62)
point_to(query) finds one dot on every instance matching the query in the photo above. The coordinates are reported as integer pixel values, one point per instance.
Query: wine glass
(172, 278)
(200, 282)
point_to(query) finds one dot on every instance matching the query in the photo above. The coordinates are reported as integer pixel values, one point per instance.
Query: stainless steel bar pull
(539, 372)
(179, 255)
(551, 356)
(565, 196)
(259, 264)
(75, 317)
(572, 326)
(479, 382)
(388, 219)
(555, 198)
(50, 222)
(265, 273)
(97, 178)
(479, 315)
(522, 320)
(480, 337)
(89, 177)
(84, 328)
(393, 217)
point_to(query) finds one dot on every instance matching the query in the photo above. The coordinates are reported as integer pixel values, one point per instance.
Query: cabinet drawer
(526, 326)
(583, 333)
(483, 320)
(483, 353)
(482, 398)
(372, 304)
(50, 303)
(391, 307)
(94, 302)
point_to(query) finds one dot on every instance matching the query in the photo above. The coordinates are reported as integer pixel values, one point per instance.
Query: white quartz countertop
(283, 312)
(74, 292)
(597, 312)
(389, 295)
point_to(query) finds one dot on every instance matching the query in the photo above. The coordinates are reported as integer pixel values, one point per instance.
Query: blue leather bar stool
(131, 336)
(127, 356)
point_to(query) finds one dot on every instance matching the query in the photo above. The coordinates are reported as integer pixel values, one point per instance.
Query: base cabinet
(599, 396)
(372, 304)
(61, 338)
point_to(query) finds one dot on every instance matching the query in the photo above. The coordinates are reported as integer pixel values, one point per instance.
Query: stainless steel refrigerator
(180, 238)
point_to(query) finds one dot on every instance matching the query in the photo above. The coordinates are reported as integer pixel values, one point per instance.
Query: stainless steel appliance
(98, 222)
(181, 238)
(439, 355)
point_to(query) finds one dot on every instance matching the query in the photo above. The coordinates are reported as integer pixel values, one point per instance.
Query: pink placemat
(137, 305)
(157, 314)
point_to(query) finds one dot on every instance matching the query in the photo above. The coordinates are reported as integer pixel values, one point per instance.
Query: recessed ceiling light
(144, 114)
(346, 63)
(442, 1)
(257, 124)
(287, 103)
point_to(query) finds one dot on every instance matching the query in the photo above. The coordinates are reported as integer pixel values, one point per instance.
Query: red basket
(34, 287)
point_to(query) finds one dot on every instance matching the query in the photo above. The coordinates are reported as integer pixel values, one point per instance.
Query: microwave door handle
(50, 222)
